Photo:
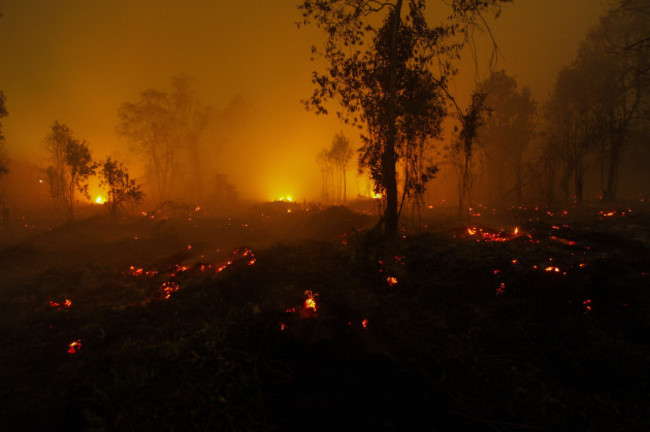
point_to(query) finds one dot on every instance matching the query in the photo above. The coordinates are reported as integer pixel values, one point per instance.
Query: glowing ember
(392, 280)
(516, 231)
(310, 301)
(74, 347)
(364, 323)
(282, 326)
(552, 269)
(169, 288)
(563, 241)
(66, 304)
(502, 289)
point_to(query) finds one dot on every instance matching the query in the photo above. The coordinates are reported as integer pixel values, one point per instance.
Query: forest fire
(451, 244)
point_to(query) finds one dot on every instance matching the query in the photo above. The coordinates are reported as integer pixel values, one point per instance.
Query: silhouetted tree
(340, 155)
(571, 128)
(70, 166)
(148, 124)
(80, 166)
(3, 111)
(192, 120)
(506, 132)
(383, 78)
(121, 188)
(324, 159)
(160, 125)
(4, 161)
(616, 54)
(470, 120)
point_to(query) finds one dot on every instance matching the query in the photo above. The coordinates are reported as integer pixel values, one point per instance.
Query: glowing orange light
(552, 269)
(516, 231)
(74, 347)
(471, 231)
(392, 280)
(364, 323)
(310, 301)
(282, 326)
(56, 305)
(169, 288)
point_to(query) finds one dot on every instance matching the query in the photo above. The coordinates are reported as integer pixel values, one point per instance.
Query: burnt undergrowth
(545, 329)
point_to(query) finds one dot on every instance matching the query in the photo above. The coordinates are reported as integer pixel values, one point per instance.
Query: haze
(78, 61)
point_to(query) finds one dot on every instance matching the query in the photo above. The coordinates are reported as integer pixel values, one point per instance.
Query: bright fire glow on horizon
(286, 198)
(100, 200)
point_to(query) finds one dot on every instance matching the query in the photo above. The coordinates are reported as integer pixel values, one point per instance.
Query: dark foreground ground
(192, 322)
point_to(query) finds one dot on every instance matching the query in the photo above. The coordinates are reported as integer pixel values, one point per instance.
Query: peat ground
(192, 322)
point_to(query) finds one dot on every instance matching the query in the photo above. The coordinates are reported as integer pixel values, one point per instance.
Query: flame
(286, 198)
(392, 280)
(66, 304)
(310, 301)
(364, 323)
(74, 347)
(552, 269)
(377, 195)
(100, 199)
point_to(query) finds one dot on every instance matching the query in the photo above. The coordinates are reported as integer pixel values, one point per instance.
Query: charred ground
(468, 327)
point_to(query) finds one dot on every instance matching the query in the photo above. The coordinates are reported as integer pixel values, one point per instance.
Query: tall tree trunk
(388, 157)
(609, 194)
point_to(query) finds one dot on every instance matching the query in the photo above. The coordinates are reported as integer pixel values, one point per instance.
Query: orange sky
(76, 61)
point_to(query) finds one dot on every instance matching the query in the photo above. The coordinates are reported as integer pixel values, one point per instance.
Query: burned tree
(382, 76)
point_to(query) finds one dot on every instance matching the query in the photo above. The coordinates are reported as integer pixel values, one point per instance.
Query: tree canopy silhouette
(389, 69)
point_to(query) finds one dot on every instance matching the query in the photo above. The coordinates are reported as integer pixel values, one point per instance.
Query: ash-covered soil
(517, 319)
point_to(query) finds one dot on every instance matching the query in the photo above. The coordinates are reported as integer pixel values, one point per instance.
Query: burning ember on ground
(483, 234)
(169, 288)
(58, 306)
(392, 280)
(310, 301)
(74, 347)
